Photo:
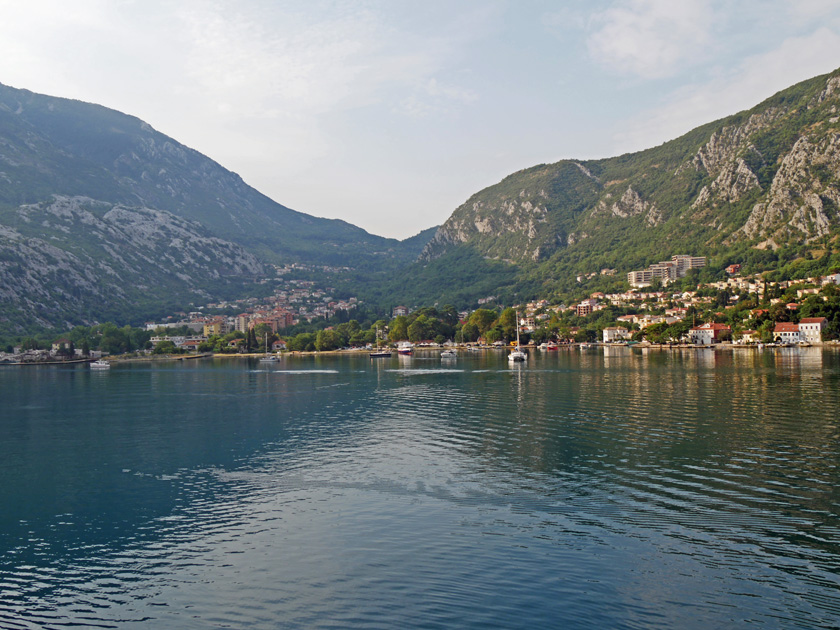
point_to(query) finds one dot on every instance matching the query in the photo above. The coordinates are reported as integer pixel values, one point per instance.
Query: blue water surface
(605, 488)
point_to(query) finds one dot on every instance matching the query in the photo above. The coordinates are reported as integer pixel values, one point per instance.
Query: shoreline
(719, 347)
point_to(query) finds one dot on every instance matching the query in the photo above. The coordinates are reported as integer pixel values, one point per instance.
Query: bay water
(608, 488)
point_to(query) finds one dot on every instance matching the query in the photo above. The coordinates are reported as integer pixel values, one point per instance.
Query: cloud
(432, 96)
(650, 38)
(756, 78)
(809, 9)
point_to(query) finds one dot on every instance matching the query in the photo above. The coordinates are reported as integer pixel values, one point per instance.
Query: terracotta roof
(786, 327)
(812, 320)
(711, 326)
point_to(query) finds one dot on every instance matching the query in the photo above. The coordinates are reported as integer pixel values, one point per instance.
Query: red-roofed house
(786, 332)
(810, 329)
(707, 334)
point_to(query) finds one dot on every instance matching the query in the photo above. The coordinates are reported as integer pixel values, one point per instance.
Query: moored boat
(517, 355)
(100, 364)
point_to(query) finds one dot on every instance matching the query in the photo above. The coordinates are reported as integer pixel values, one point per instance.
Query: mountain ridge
(764, 179)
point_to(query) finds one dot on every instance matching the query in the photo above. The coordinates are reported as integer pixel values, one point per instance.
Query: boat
(517, 355)
(448, 354)
(100, 364)
(405, 348)
(379, 354)
(268, 358)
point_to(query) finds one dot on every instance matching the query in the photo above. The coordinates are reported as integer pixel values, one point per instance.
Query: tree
(507, 320)
(470, 332)
(483, 319)
(399, 329)
(303, 342)
(165, 347)
(419, 329)
(497, 333)
(328, 340)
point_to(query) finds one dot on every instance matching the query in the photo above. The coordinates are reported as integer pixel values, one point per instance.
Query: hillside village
(739, 310)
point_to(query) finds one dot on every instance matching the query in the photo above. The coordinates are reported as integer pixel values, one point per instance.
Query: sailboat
(268, 358)
(379, 354)
(516, 355)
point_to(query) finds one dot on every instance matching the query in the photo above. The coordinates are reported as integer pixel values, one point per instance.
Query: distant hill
(761, 187)
(102, 216)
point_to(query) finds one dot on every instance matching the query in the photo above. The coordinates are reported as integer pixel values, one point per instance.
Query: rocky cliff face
(768, 177)
(71, 260)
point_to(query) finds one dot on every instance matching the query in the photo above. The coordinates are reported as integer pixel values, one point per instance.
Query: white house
(810, 329)
(786, 332)
(707, 334)
(616, 333)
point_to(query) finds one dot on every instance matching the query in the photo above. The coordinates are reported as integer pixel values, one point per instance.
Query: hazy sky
(390, 113)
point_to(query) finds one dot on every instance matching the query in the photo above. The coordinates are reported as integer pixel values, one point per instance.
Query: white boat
(517, 355)
(448, 354)
(268, 357)
(100, 364)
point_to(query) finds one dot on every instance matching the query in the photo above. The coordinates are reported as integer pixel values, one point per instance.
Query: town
(739, 310)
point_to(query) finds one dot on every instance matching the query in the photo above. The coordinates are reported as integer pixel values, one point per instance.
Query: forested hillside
(761, 187)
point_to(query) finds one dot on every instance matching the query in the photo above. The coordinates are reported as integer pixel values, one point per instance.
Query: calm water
(583, 490)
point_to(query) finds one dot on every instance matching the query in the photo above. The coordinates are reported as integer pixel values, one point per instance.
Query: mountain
(58, 146)
(102, 217)
(761, 187)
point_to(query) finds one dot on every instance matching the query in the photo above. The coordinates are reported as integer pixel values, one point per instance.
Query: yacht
(517, 355)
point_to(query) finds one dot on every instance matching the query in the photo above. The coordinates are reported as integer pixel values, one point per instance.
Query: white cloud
(744, 86)
(650, 38)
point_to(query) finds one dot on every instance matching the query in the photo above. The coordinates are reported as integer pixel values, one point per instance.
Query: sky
(389, 114)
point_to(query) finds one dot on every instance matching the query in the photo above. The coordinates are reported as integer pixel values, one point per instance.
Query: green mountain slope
(762, 185)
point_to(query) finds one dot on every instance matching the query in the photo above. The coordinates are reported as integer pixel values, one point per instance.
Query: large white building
(666, 270)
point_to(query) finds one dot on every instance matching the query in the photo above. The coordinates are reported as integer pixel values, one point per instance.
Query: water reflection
(613, 489)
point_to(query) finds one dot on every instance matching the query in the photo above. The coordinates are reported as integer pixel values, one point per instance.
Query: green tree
(328, 340)
(399, 329)
(507, 320)
(165, 347)
(420, 329)
(483, 319)
(470, 332)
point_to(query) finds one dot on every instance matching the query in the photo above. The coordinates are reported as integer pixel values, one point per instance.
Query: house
(278, 345)
(191, 344)
(786, 332)
(586, 307)
(399, 311)
(810, 329)
(749, 336)
(733, 269)
(613, 334)
(707, 334)
(527, 324)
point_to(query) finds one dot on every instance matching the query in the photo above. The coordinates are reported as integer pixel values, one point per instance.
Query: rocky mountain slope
(102, 217)
(74, 260)
(767, 179)
(58, 146)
